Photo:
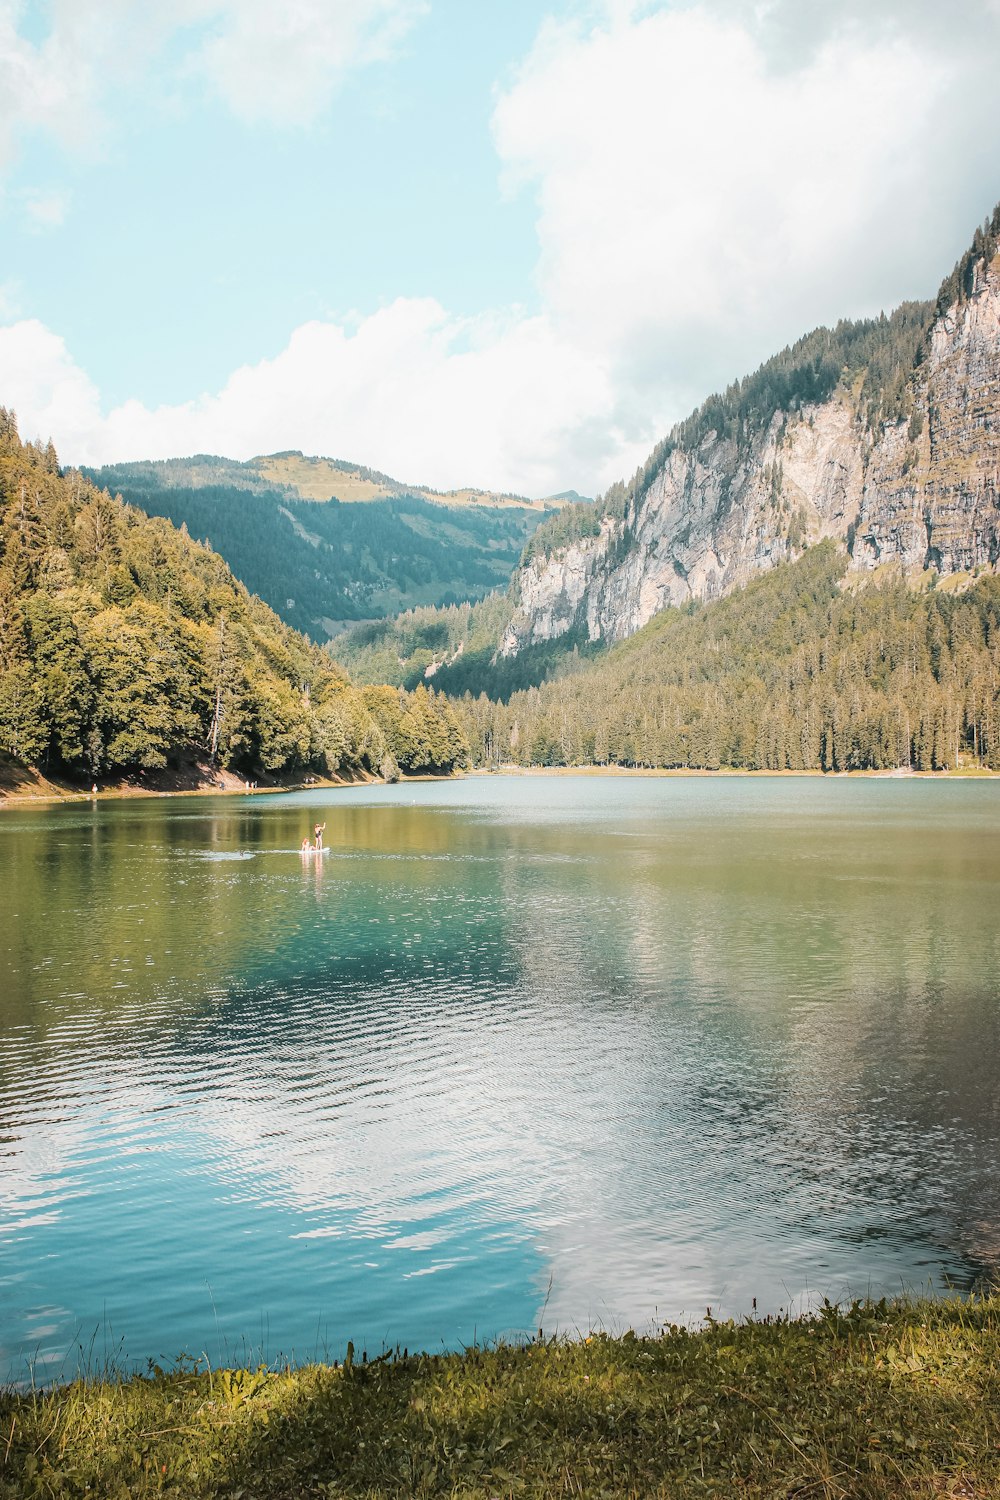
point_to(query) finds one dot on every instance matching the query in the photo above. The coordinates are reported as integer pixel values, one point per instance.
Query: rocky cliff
(899, 460)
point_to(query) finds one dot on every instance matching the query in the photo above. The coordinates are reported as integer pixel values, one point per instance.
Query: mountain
(127, 649)
(455, 647)
(300, 476)
(326, 542)
(882, 435)
(807, 667)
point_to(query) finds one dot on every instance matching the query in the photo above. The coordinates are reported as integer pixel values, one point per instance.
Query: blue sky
(219, 236)
(500, 245)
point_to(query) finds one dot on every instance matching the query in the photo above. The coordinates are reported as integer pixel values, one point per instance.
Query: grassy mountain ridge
(125, 645)
(306, 476)
(325, 542)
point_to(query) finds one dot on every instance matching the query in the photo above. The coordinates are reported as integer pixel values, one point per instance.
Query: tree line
(125, 645)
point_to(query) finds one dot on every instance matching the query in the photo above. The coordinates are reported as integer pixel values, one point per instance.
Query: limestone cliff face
(923, 493)
(933, 502)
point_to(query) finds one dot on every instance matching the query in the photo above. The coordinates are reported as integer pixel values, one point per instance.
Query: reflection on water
(579, 1050)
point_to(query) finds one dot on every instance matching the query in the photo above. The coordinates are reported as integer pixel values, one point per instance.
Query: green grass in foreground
(879, 1400)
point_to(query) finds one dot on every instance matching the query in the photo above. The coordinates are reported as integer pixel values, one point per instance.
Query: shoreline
(131, 792)
(33, 788)
(886, 1399)
(22, 784)
(961, 773)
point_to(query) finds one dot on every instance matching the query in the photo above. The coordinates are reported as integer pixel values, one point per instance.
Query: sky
(462, 243)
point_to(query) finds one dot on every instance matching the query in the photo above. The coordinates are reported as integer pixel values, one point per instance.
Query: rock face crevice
(920, 493)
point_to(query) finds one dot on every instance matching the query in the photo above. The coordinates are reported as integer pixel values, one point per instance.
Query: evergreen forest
(456, 646)
(127, 648)
(798, 671)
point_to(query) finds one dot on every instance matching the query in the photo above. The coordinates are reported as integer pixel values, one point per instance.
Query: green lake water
(560, 1051)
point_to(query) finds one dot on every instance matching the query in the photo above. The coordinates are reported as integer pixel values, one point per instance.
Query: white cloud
(51, 394)
(410, 390)
(710, 184)
(43, 209)
(712, 179)
(41, 88)
(284, 63)
(277, 63)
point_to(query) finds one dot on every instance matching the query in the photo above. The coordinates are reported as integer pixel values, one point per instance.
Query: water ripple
(622, 1051)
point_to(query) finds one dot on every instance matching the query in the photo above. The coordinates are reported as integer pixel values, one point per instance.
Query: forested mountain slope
(796, 671)
(884, 435)
(125, 646)
(455, 648)
(325, 542)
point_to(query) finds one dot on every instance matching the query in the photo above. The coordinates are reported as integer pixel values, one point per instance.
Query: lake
(567, 1052)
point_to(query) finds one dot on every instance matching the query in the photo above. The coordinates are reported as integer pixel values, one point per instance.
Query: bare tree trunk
(217, 715)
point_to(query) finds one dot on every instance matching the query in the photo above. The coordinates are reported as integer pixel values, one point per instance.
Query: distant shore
(20, 783)
(509, 769)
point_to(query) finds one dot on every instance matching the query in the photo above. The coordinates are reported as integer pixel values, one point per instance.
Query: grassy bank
(899, 1400)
